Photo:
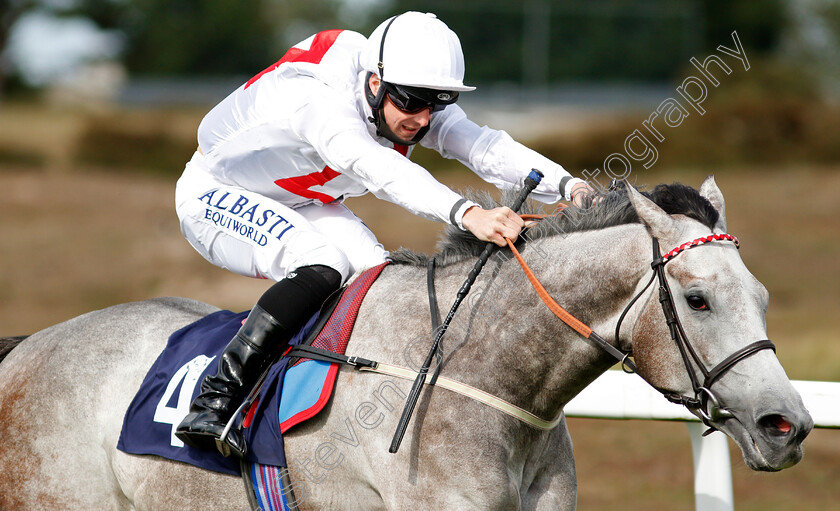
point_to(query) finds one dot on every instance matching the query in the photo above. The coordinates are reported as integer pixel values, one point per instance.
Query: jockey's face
(404, 125)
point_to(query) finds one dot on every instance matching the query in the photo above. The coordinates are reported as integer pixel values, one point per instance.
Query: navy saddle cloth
(192, 352)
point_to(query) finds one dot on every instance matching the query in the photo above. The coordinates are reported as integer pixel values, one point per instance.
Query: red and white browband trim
(697, 243)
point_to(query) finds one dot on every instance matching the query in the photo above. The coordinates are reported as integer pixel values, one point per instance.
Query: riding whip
(531, 182)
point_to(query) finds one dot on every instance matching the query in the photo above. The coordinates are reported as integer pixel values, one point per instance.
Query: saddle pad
(172, 383)
(191, 353)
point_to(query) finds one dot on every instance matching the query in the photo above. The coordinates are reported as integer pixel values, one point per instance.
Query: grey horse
(64, 390)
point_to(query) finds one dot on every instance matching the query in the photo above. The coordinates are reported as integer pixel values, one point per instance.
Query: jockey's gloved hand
(493, 225)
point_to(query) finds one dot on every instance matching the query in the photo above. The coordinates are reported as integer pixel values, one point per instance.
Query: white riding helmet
(419, 50)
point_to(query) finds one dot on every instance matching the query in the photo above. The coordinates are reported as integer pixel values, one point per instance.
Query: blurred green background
(100, 101)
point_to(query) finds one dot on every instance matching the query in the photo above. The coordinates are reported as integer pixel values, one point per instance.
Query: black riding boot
(279, 313)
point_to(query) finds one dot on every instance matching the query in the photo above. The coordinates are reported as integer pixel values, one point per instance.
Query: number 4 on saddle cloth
(290, 394)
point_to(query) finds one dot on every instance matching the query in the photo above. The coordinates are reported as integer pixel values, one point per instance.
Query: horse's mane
(615, 209)
(7, 344)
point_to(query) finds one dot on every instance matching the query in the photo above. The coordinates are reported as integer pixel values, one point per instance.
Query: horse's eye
(697, 303)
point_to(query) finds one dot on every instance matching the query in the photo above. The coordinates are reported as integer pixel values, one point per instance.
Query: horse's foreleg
(554, 486)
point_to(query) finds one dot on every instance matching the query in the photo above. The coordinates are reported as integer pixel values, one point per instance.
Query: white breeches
(255, 236)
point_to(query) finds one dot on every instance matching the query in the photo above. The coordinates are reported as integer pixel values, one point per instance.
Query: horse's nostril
(775, 425)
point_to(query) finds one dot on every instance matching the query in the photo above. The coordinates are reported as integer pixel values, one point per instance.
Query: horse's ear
(709, 189)
(658, 221)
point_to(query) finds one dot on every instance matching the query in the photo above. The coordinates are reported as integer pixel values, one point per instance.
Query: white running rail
(617, 395)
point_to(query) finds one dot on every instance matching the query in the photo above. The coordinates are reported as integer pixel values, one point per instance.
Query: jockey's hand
(493, 224)
(584, 196)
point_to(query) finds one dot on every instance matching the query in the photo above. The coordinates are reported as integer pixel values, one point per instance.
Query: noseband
(704, 401)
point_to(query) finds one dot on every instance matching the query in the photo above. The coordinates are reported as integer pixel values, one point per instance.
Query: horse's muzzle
(779, 436)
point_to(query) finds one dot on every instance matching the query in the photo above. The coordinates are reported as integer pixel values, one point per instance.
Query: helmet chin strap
(384, 131)
(377, 106)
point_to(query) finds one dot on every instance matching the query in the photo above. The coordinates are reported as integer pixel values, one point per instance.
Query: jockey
(336, 117)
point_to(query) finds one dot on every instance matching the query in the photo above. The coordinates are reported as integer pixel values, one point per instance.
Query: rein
(703, 395)
(566, 317)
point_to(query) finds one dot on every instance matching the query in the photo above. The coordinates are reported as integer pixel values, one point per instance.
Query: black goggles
(415, 99)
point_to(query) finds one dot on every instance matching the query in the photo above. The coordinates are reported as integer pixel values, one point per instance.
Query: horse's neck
(516, 348)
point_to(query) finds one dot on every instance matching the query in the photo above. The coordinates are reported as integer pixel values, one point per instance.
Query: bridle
(704, 402)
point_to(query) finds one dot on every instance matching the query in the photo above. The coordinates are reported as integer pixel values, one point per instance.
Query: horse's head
(720, 307)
